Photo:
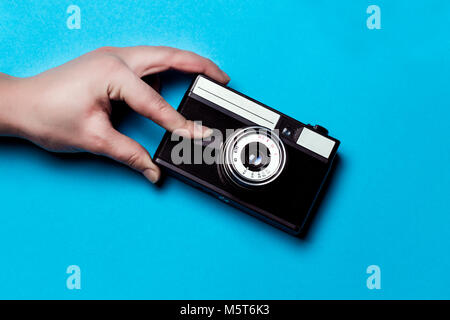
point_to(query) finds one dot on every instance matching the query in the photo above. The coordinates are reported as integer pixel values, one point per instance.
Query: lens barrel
(252, 157)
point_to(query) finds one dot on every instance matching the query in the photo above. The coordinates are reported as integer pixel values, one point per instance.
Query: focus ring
(234, 169)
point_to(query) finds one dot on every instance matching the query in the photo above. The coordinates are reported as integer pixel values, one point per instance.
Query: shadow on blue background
(383, 93)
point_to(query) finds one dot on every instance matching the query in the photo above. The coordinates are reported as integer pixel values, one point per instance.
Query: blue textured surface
(384, 93)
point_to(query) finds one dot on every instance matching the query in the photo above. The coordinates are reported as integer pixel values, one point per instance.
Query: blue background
(384, 93)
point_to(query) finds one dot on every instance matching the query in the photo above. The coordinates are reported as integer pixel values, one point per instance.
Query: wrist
(11, 105)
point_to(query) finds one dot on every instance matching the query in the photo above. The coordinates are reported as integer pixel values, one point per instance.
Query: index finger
(144, 60)
(125, 85)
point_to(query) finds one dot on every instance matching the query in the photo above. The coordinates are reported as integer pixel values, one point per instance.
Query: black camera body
(258, 159)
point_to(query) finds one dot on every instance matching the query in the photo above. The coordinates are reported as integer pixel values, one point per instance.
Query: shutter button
(320, 129)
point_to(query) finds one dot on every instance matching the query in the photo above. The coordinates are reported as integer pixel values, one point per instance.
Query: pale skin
(67, 109)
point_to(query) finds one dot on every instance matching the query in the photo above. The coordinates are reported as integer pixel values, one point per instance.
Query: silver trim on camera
(235, 170)
(315, 142)
(235, 103)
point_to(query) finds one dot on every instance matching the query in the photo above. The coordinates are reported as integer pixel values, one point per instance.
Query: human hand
(67, 109)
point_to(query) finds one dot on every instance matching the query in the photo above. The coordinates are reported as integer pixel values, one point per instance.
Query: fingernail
(227, 78)
(151, 175)
(201, 131)
(207, 132)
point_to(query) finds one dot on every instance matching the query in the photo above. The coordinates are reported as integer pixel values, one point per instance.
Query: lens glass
(255, 156)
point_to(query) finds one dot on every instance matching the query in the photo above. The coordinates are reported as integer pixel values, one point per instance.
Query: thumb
(129, 152)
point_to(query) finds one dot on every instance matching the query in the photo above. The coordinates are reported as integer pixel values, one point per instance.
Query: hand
(67, 109)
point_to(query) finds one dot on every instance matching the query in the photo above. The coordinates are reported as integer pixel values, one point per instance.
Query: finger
(129, 152)
(144, 60)
(146, 101)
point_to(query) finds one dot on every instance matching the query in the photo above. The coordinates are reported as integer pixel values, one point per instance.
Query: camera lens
(255, 156)
(252, 157)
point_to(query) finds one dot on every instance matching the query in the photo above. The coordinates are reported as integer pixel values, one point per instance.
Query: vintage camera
(258, 159)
